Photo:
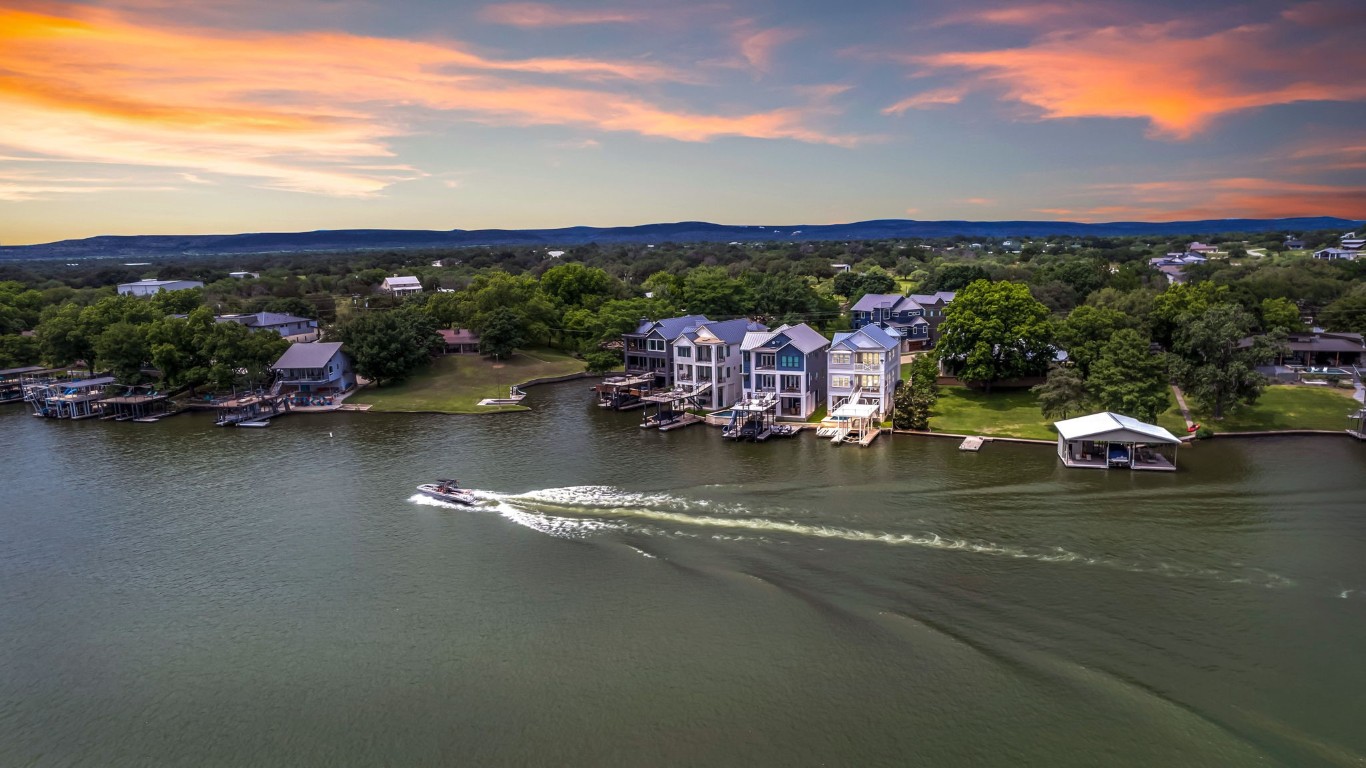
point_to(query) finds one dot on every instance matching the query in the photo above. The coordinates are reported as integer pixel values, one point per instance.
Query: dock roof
(1113, 427)
(98, 381)
(22, 371)
(310, 355)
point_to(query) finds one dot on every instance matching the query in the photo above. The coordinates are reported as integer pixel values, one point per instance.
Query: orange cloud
(308, 111)
(1178, 81)
(979, 201)
(545, 15)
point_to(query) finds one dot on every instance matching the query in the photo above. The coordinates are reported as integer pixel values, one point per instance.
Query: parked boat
(448, 491)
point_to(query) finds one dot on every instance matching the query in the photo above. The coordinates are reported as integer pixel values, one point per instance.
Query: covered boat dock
(621, 393)
(1110, 440)
(853, 422)
(81, 399)
(12, 382)
(142, 403)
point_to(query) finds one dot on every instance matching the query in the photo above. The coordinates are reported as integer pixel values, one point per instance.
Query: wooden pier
(81, 399)
(668, 409)
(143, 404)
(250, 408)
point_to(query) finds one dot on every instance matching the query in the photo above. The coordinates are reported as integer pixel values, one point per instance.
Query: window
(839, 358)
(766, 361)
(764, 382)
(704, 354)
(869, 382)
(654, 345)
(868, 358)
(841, 382)
(792, 383)
(683, 351)
(790, 360)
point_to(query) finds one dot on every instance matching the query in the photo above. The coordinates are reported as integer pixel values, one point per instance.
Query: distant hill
(110, 246)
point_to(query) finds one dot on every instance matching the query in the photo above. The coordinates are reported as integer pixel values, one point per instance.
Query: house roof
(801, 336)
(872, 301)
(1113, 427)
(933, 298)
(727, 331)
(867, 337)
(671, 327)
(402, 280)
(459, 336)
(1319, 342)
(310, 355)
(151, 282)
(264, 319)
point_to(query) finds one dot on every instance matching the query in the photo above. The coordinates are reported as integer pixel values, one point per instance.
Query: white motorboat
(448, 491)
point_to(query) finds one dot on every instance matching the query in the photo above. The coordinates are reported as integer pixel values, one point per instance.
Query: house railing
(869, 367)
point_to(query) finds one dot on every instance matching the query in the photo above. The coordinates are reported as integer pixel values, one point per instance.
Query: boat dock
(670, 407)
(624, 393)
(972, 443)
(249, 408)
(82, 399)
(754, 419)
(853, 422)
(143, 404)
(12, 382)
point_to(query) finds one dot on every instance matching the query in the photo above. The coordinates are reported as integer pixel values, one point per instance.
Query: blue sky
(144, 116)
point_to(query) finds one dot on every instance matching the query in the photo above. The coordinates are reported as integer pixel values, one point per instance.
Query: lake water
(178, 594)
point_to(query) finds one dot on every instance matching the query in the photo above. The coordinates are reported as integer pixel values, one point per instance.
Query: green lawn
(1004, 413)
(456, 383)
(1279, 407)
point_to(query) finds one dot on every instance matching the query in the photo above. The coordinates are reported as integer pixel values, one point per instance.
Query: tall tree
(916, 397)
(1127, 378)
(1213, 366)
(502, 334)
(1280, 314)
(1063, 393)
(389, 346)
(996, 331)
(1085, 331)
(953, 277)
(1177, 305)
(122, 348)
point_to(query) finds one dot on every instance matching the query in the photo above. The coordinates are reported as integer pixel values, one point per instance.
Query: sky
(219, 116)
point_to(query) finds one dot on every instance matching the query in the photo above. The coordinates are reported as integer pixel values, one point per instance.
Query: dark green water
(176, 594)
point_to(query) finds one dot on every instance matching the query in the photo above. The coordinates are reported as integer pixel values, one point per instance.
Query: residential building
(914, 319)
(1201, 248)
(867, 363)
(314, 368)
(649, 349)
(1337, 254)
(288, 326)
(460, 341)
(709, 353)
(1351, 242)
(788, 362)
(401, 286)
(1173, 265)
(1293, 243)
(244, 275)
(149, 287)
(1319, 349)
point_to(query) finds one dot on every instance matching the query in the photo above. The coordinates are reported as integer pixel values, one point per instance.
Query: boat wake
(582, 511)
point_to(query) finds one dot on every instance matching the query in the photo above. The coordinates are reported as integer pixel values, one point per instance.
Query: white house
(1337, 254)
(149, 287)
(401, 286)
(244, 275)
(867, 363)
(709, 353)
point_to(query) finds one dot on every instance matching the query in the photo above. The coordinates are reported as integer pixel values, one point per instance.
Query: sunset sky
(167, 116)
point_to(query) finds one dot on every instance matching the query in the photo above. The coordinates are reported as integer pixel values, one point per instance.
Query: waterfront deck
(622, 393)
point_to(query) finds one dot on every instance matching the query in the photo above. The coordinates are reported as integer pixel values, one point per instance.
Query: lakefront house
(864, 364)
(649, 348)
(788, 363)
(913, 319)
(709, 353)
(319, 367)
(288, 326)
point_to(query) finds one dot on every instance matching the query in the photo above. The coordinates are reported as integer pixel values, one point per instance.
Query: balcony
(868, 367)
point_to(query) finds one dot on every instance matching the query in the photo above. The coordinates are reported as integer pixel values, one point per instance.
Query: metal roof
(801, 336)
(310, 355)
(672, 327)
(98, 381)
(868, 337)
(1113, 427)
(20, 371)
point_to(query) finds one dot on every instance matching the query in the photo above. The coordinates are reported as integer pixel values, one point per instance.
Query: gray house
(914, 319)
(788, 362)
(288, 326)
(710, 354)
(650, 348)
(315, 368)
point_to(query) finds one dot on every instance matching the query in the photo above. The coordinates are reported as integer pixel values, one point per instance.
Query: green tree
(916, 397)
(602, 360)
(389, 346)
(576, 285)
(710, 291)
(502, 334)
(1062, 393)
(1347, 313)
(16, 351)
(1176, 306)
(1085, 330)
(1128, 379)
(62, 337)
(179, 348)
(952, 277)
(1280, 314)
(995, 331)
(1212, 365)
(122, 348)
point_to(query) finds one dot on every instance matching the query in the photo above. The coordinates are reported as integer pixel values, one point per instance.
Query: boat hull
(462, 497)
